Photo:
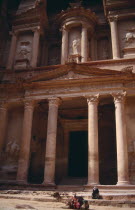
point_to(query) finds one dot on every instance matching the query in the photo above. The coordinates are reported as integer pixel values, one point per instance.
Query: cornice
(115, 79)
(76, 12)
(76, 69)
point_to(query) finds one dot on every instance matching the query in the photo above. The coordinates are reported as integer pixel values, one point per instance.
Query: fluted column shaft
(23, 163)
(50, 157)
(12, 51)
(115, 38)
(122, 151)
(93, 160)
(35, 48)
(64, 48)
(84, 44)
(3, 123)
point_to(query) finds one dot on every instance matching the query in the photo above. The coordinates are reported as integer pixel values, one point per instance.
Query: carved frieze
(72, 75)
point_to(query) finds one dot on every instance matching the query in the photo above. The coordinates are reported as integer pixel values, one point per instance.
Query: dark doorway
(78, 154)
(107, 145)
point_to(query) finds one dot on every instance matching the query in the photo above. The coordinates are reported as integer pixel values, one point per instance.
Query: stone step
(100, 202)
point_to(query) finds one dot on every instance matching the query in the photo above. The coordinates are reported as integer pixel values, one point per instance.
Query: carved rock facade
(67, 95)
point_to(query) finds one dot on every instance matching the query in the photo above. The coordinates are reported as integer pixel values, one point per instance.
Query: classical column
(12, 51)
(93, 161)
(23, 163)
(84, 44)
(35, 48)
(114, 37)
(3, 123)
(50, 156)
(122, 151)
(64, 48)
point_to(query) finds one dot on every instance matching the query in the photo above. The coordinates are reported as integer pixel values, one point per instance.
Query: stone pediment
(74, 71)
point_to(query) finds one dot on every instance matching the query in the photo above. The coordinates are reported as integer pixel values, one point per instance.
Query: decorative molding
(128, 69)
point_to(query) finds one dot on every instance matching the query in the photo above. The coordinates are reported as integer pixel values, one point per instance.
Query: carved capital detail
(119, 97)
(54, 101)
(92, 99)
(113, 18)
(4, 105)
(29, 104)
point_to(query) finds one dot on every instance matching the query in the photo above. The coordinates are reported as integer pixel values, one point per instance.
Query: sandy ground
(11, 204)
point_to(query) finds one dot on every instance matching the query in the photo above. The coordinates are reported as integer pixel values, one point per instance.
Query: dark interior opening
(78, 154)
(36, 170)
(107, 146)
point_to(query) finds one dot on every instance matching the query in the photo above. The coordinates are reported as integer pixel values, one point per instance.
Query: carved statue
(24, 50)
(76, 46)
(12, 149)
(130, 36)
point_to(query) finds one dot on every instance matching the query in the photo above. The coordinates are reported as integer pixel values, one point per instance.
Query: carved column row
(50, 159)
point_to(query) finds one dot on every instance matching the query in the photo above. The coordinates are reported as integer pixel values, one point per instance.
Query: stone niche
(74, 47)
(77, 25)
(23, 51)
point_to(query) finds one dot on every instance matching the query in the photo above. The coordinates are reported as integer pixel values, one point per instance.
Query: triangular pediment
(74, 71)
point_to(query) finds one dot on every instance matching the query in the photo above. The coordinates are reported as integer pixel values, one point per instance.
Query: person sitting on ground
(75, 202)
(95, 193)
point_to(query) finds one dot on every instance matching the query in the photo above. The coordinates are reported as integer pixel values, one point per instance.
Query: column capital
(54, 101)
(37, 29)
(4, 105)
(113, 18)
(29, 103)
(85, 26)
(92, 98)
(64, 28)
(119, 97)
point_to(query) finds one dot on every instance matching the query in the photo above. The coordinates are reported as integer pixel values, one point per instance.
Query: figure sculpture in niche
(12, 149)
(24, 50)
(76, 46)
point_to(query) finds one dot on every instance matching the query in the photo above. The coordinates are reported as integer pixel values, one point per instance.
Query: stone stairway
(123, 198)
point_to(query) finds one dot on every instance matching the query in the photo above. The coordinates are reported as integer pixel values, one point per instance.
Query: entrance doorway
(78, 154)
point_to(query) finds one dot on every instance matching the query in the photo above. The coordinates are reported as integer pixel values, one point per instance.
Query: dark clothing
(95, 193)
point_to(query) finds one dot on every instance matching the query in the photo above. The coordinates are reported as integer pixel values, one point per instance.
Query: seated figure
(95, 193)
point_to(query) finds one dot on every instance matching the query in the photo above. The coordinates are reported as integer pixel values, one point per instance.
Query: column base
(22, 182)
(123, 183)
(92, 184)
(49, 184)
